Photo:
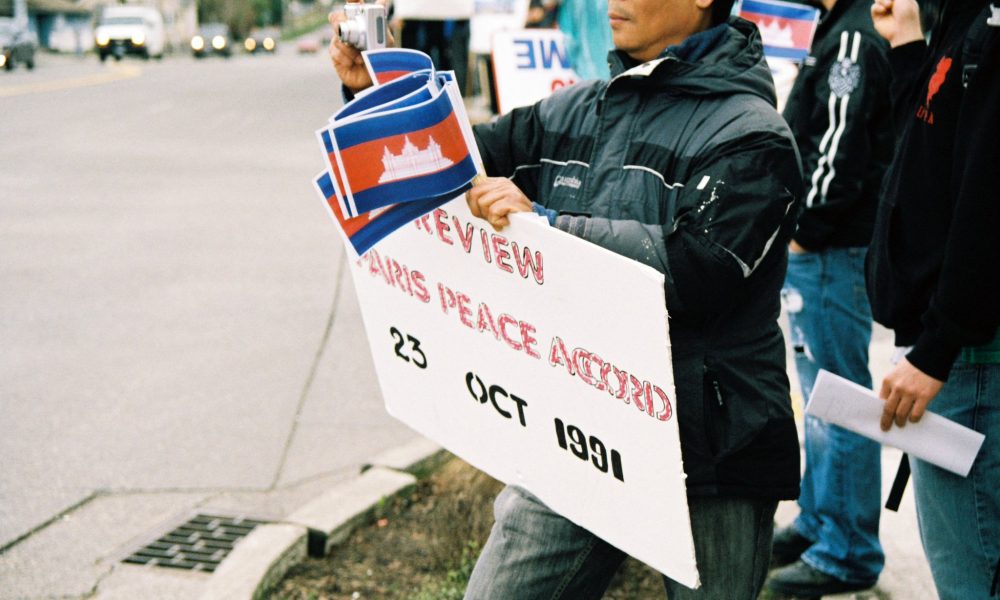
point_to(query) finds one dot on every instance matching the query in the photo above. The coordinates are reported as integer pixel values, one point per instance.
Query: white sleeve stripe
(659, 175)
(747, 269)
(833, 147)
(843, 124)
(833, 99)
(835, 130)
(561, 163)
(518, 168)
(818, 173)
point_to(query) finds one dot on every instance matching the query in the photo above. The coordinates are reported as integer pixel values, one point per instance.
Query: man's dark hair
(721, 10)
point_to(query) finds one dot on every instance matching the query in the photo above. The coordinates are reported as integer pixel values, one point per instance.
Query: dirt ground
(423, 547)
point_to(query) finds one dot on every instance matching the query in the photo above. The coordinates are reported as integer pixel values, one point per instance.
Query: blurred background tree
(241, 15)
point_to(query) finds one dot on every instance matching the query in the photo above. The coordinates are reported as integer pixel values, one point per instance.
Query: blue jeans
(535, 554)
(959, 517)
(840, 502)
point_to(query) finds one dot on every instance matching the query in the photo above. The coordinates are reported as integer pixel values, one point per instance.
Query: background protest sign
(542, 360)
(529, 65)
(433, 9)
(492, 17)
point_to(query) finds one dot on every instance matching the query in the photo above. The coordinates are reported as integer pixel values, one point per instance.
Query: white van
(125, 30)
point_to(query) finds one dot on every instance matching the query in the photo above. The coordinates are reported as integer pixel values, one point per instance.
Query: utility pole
(21, 12)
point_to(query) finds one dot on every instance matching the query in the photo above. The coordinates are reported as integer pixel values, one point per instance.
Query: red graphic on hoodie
(937, 79)
(924, 112)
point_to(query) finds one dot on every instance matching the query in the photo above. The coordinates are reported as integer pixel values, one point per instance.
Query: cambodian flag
(402, 155)
(410, 89)
(366, 230)
(786, 28)
(387, 64)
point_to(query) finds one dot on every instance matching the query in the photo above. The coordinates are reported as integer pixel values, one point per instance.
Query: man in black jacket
(839, 112)
(680, 162)
(933, 272)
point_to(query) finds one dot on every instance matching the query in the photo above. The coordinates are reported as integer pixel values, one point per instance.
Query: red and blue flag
(402, 155)
(786, 28)
(365, 231)
(411, 89)
(398, 150)
(387, 64)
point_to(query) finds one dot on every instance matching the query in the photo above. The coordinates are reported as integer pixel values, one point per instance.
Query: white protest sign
(433, 9)
(542, 360)
(529, 65)
(492, 17)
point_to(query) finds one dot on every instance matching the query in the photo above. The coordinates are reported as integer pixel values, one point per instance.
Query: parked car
(17, 45)
(308, 44)
(261, 40)
(212, 38)
(125, 30)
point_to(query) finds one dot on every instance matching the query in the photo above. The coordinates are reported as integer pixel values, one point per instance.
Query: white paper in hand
(934, 439)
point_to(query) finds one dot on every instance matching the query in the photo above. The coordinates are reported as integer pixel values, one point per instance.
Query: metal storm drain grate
(198, 545)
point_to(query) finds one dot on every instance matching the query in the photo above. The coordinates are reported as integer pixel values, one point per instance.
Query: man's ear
(703, 4)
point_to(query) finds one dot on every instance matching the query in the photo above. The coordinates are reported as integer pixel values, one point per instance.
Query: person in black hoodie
(839, 111)
(933, 272)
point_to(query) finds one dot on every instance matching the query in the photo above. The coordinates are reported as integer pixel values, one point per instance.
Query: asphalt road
(175, 317)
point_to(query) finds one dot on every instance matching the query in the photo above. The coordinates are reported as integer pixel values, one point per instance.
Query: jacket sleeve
(738, 208)
(512, 145)
(851, 97)
(905, 62)
(965, 307)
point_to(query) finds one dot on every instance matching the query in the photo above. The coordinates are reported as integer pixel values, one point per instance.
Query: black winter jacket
(686, 167)
(840, 113)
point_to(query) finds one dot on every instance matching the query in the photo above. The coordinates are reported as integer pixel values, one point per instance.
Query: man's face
(643, 28)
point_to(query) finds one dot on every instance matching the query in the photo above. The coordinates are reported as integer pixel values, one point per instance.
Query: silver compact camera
(365, 26)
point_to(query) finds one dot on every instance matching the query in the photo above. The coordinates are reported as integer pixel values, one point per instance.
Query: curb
(331, 517)
(260, 560)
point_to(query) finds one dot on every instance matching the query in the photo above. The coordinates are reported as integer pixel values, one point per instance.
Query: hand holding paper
(934, 439)
(907, 391)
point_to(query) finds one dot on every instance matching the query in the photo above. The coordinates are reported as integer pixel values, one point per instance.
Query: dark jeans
(535, 554)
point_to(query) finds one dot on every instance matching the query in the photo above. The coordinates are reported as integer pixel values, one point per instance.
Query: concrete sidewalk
(906, 575)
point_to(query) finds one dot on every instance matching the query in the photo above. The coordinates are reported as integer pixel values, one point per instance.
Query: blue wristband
(548, 213)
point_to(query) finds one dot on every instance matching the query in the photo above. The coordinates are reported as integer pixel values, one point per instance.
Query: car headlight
(218, 42)
(138, 39)
(103, 39)
(3, 60)
(197, 43)
(268, 44)
(250, 44)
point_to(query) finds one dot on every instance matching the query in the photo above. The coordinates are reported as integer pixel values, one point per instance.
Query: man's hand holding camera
(357, 28)
(347, 42)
